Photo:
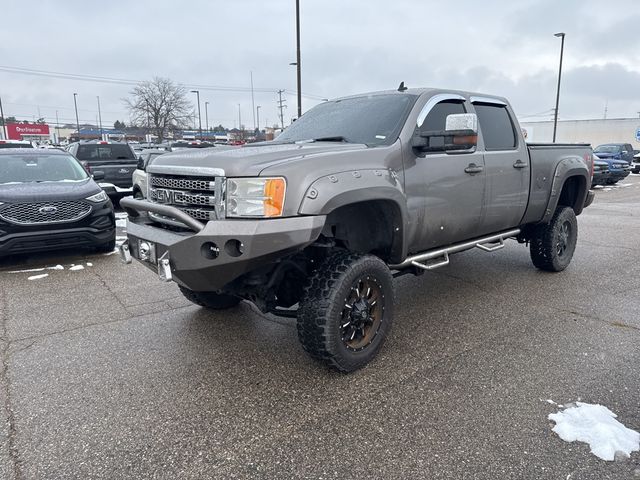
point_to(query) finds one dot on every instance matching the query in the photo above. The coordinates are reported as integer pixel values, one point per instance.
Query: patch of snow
(121, 215)
(89, 264)
(57, 267)
(121, 222)
(608, 189)
(28, 270)
(38, 277)
(597, 426)
(77, 267)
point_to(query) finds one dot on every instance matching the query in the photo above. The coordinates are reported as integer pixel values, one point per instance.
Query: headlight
(255, 197)
(98, 197)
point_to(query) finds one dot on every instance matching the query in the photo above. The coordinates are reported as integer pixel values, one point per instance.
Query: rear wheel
(553, 244)
(346, 311)
(211, 300)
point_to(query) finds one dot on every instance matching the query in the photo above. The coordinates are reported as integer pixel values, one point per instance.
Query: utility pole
(258, 115)
(281, 106)
(4, 123)
(606, 107)
(206, 115)
(57, 128)
(253, 104)
(555, 117)
(100, 118)
(75, 103)
(240, 123)
(197, 92)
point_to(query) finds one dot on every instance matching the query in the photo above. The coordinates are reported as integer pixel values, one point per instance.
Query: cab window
(436, 119)
(496, 126)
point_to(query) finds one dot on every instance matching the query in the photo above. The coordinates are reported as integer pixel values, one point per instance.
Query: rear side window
(104, 152)
(496, 126)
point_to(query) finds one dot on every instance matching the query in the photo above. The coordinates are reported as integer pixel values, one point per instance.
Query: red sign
(15, 131)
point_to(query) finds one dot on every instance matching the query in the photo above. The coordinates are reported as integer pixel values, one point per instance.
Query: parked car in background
(15, 144)
(615, 151)
(140, 173)
(601, 172)
(49, 201)
(117, 160)
(635, 166)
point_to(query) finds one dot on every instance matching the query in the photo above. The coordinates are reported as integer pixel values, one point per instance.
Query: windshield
(607, 149)
(25, 168)
(372, 120)
(94, 151)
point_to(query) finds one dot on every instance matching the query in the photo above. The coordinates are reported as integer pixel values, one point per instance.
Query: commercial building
(595, 132)
(33, 132)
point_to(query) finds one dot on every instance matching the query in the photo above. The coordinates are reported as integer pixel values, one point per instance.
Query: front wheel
(553, 244)
(211, 300)
(346, 310)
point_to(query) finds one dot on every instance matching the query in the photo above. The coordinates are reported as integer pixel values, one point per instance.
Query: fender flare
(568, 167)
(331, 192)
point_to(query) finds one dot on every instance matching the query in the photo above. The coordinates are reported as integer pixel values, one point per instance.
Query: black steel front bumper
(213, 254)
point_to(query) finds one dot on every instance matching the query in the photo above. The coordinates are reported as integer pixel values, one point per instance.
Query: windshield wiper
(334, 138)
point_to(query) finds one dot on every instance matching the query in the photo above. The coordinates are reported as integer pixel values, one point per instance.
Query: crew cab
(116, 160)
(316, 223)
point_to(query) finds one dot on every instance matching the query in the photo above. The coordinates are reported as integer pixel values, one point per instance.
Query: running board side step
(487, 244)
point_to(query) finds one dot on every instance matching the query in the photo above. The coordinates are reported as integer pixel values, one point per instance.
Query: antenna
(401, 87)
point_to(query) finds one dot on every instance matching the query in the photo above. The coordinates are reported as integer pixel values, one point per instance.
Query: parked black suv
(116, 160)
(48, 201)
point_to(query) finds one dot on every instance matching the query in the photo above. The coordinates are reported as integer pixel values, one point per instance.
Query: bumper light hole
(234, 248)
(210, 250)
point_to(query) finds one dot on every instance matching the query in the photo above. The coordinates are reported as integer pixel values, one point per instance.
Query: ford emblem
(123, 170)
(48, 209)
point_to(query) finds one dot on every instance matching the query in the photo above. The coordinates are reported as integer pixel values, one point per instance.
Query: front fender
(330, 192)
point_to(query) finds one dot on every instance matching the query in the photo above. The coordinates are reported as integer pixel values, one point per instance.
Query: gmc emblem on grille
(164, 196)
(48, 209)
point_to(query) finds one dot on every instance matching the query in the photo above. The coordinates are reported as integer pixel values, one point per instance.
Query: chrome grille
(44, 212)
(199, 197)
(183, 183)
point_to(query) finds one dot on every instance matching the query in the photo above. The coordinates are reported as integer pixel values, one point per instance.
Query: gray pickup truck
(316, 224)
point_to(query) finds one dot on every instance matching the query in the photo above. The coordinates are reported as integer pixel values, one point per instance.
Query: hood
(606, 155)
(248, 160)
(47, 191)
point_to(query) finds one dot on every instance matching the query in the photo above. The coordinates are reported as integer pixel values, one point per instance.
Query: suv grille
(44, 212)
(198, 197)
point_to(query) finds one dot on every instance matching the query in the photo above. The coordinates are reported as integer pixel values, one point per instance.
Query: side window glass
(436, 119)
(496, 126)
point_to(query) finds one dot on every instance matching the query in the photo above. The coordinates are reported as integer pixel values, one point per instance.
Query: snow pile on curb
(597, 426)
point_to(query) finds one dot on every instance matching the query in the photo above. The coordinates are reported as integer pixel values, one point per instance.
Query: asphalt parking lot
(109, 373)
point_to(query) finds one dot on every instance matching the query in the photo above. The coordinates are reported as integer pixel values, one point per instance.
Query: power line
(131, 82)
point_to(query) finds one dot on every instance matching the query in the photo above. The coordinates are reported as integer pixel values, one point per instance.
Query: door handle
(473, 168)
(519, 164)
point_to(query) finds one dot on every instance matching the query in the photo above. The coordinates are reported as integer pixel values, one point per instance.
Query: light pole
(297, 62)
(555, 116)
(75, 103)
(4, 123)
(240, 120)
(206, 115)
(258, 115)
(99, 117)
(197, 92)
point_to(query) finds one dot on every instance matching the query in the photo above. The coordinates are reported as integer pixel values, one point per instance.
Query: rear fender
(567, 168)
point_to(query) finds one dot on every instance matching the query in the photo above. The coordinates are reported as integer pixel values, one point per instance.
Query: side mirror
(460, 135)
(98, 175)
(624, 152)
(140, 165)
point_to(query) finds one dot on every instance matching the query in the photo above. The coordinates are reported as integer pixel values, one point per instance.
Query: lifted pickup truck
(360, 189)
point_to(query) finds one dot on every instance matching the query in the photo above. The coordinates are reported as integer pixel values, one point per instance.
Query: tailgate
(118, 172)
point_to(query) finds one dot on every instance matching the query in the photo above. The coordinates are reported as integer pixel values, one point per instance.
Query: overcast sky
(500, 47)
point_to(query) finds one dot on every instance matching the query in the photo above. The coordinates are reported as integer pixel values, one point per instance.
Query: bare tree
(160, 105)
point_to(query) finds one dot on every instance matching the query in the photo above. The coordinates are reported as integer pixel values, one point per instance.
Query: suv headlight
(255, 197)
(98, 197)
